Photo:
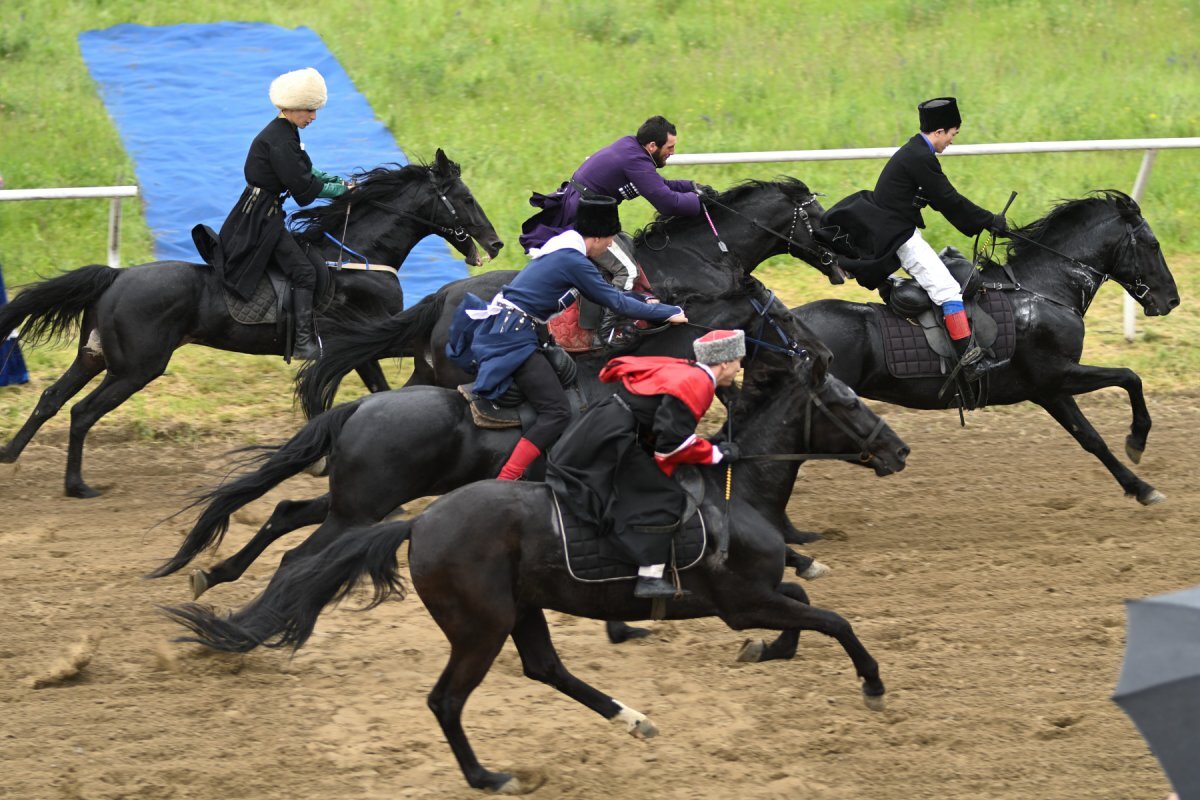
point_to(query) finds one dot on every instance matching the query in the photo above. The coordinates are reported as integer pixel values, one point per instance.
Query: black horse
(681, 257)
(133, 319)
(390, 448)
(1058, 262)
(486, 560)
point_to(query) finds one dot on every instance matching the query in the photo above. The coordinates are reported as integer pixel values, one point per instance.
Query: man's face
(595, 246)
(942, 138)
(661, 154)
(726, 372)
(300, 117)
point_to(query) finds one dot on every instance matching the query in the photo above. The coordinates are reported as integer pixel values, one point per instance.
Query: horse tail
(350, 346)
(50, 308)
(313, 441)
(284, 615)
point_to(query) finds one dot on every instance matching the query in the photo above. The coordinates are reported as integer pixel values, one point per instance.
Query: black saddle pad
(593, 558)
(264, 307)
(908, 354)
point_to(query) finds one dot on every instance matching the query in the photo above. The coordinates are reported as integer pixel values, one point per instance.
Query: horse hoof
(1134, 453)
(199, 581)
(875, 702)
(815, 571)
(752, 650)
(637, 724)
(1152, 497)
(82, 492)
(511, 786)
(619, 632)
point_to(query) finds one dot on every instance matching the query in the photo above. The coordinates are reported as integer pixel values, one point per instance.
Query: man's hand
(999, 226)
(704, 190)
(678, 319)
(729, 451)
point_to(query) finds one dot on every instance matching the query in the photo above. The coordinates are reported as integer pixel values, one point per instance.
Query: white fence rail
(1149, 146)
(116, 193)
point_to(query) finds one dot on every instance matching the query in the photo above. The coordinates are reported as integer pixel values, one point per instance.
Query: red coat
(686, 381)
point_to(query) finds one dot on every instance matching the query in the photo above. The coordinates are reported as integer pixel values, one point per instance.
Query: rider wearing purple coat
(626, 169)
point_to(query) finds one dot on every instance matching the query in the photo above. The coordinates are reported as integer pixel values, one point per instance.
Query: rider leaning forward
(617, 461)
(254, 233)
(886, 223)
(506, 338)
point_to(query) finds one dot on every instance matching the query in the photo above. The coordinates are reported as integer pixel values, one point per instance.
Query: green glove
(323, 177)
(333, 189)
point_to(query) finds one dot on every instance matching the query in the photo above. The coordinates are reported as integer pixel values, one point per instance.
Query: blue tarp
(12, 365)
(188, 100)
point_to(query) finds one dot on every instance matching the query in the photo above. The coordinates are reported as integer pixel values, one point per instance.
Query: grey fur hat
(719, 346)
(301, 88)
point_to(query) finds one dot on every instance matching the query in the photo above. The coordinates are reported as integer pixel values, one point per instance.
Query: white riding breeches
(920, 261)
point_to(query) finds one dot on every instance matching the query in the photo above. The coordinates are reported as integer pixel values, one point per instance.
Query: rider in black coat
(885, 224)
(276, 166)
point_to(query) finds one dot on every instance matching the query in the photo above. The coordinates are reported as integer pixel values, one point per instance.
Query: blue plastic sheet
(12, 365)
(188, 100)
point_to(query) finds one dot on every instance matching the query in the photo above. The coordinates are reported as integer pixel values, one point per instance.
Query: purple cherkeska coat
(623, 171)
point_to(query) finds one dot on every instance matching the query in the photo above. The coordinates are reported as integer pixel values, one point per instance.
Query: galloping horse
(486, 560)
(387, 449)
(133, 319)
(681, 257)
(1057, 264)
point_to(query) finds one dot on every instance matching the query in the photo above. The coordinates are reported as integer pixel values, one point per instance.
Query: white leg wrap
(636, 723)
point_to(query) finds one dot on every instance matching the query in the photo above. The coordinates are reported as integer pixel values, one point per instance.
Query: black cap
(940, 112)
(597, 216)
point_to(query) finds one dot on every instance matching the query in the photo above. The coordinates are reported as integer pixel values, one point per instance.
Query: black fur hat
(597, 216)
(940, 112)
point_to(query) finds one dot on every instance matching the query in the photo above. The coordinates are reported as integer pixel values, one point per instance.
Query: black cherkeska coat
(880, 221)
(276, 166)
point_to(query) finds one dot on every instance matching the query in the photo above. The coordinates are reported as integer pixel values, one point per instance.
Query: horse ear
(440, 162)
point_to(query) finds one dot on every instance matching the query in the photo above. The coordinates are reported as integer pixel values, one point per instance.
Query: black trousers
(298, 265)
(538, 381)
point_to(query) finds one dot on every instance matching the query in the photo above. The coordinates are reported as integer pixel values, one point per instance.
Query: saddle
(270, 303)
(593, 558)
(916, 344)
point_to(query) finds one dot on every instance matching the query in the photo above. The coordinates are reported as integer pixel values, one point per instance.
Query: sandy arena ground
(987, 580)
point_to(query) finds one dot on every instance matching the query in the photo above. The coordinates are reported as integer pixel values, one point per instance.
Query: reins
(824, 256)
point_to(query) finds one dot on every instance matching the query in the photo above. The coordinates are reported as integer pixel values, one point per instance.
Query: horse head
(1105, 235)
(388, 210)
(788, 406)
(753, 220)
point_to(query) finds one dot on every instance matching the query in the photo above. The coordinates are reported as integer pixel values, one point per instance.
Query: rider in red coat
(615, 464)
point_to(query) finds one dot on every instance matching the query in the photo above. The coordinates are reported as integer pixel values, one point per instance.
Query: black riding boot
(974, 362)
(308, 344)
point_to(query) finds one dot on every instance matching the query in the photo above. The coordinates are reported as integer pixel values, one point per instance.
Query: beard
(659, 159)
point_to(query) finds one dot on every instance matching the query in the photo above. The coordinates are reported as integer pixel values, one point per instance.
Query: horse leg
(82, 370)
(780, 610)
(806, 567)
(1080, 379)
(1064, 409)
(784, 646)
(287, 517)
(112, 392)
(372, 376)
(541, 663)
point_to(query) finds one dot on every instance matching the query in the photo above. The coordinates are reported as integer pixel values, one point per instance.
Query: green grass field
(519, 92)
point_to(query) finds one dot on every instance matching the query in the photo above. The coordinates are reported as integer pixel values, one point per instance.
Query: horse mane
(794, 189)
(379, 184)
(1066, 211)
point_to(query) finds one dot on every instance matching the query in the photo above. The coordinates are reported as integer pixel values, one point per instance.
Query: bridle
(823, 255)
(455, 230)
(1136, 287)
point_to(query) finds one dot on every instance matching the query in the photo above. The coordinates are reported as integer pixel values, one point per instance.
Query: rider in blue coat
(504, 338)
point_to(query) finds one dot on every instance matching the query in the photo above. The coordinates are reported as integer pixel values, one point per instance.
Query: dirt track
(987, 580)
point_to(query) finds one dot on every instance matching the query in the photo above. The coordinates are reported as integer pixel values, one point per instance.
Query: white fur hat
(302, 88)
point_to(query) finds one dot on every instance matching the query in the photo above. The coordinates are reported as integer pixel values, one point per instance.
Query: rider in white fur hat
(277, 166)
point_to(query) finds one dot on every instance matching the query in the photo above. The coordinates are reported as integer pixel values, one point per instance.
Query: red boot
(524, 454)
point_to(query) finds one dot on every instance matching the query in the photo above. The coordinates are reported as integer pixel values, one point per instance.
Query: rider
(625, 169)
(617, 461)
(505, 337)
(887, 223)
(276, 166)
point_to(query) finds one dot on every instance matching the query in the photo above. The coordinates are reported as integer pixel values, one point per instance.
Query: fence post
(114, 233)
(1139, 186)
